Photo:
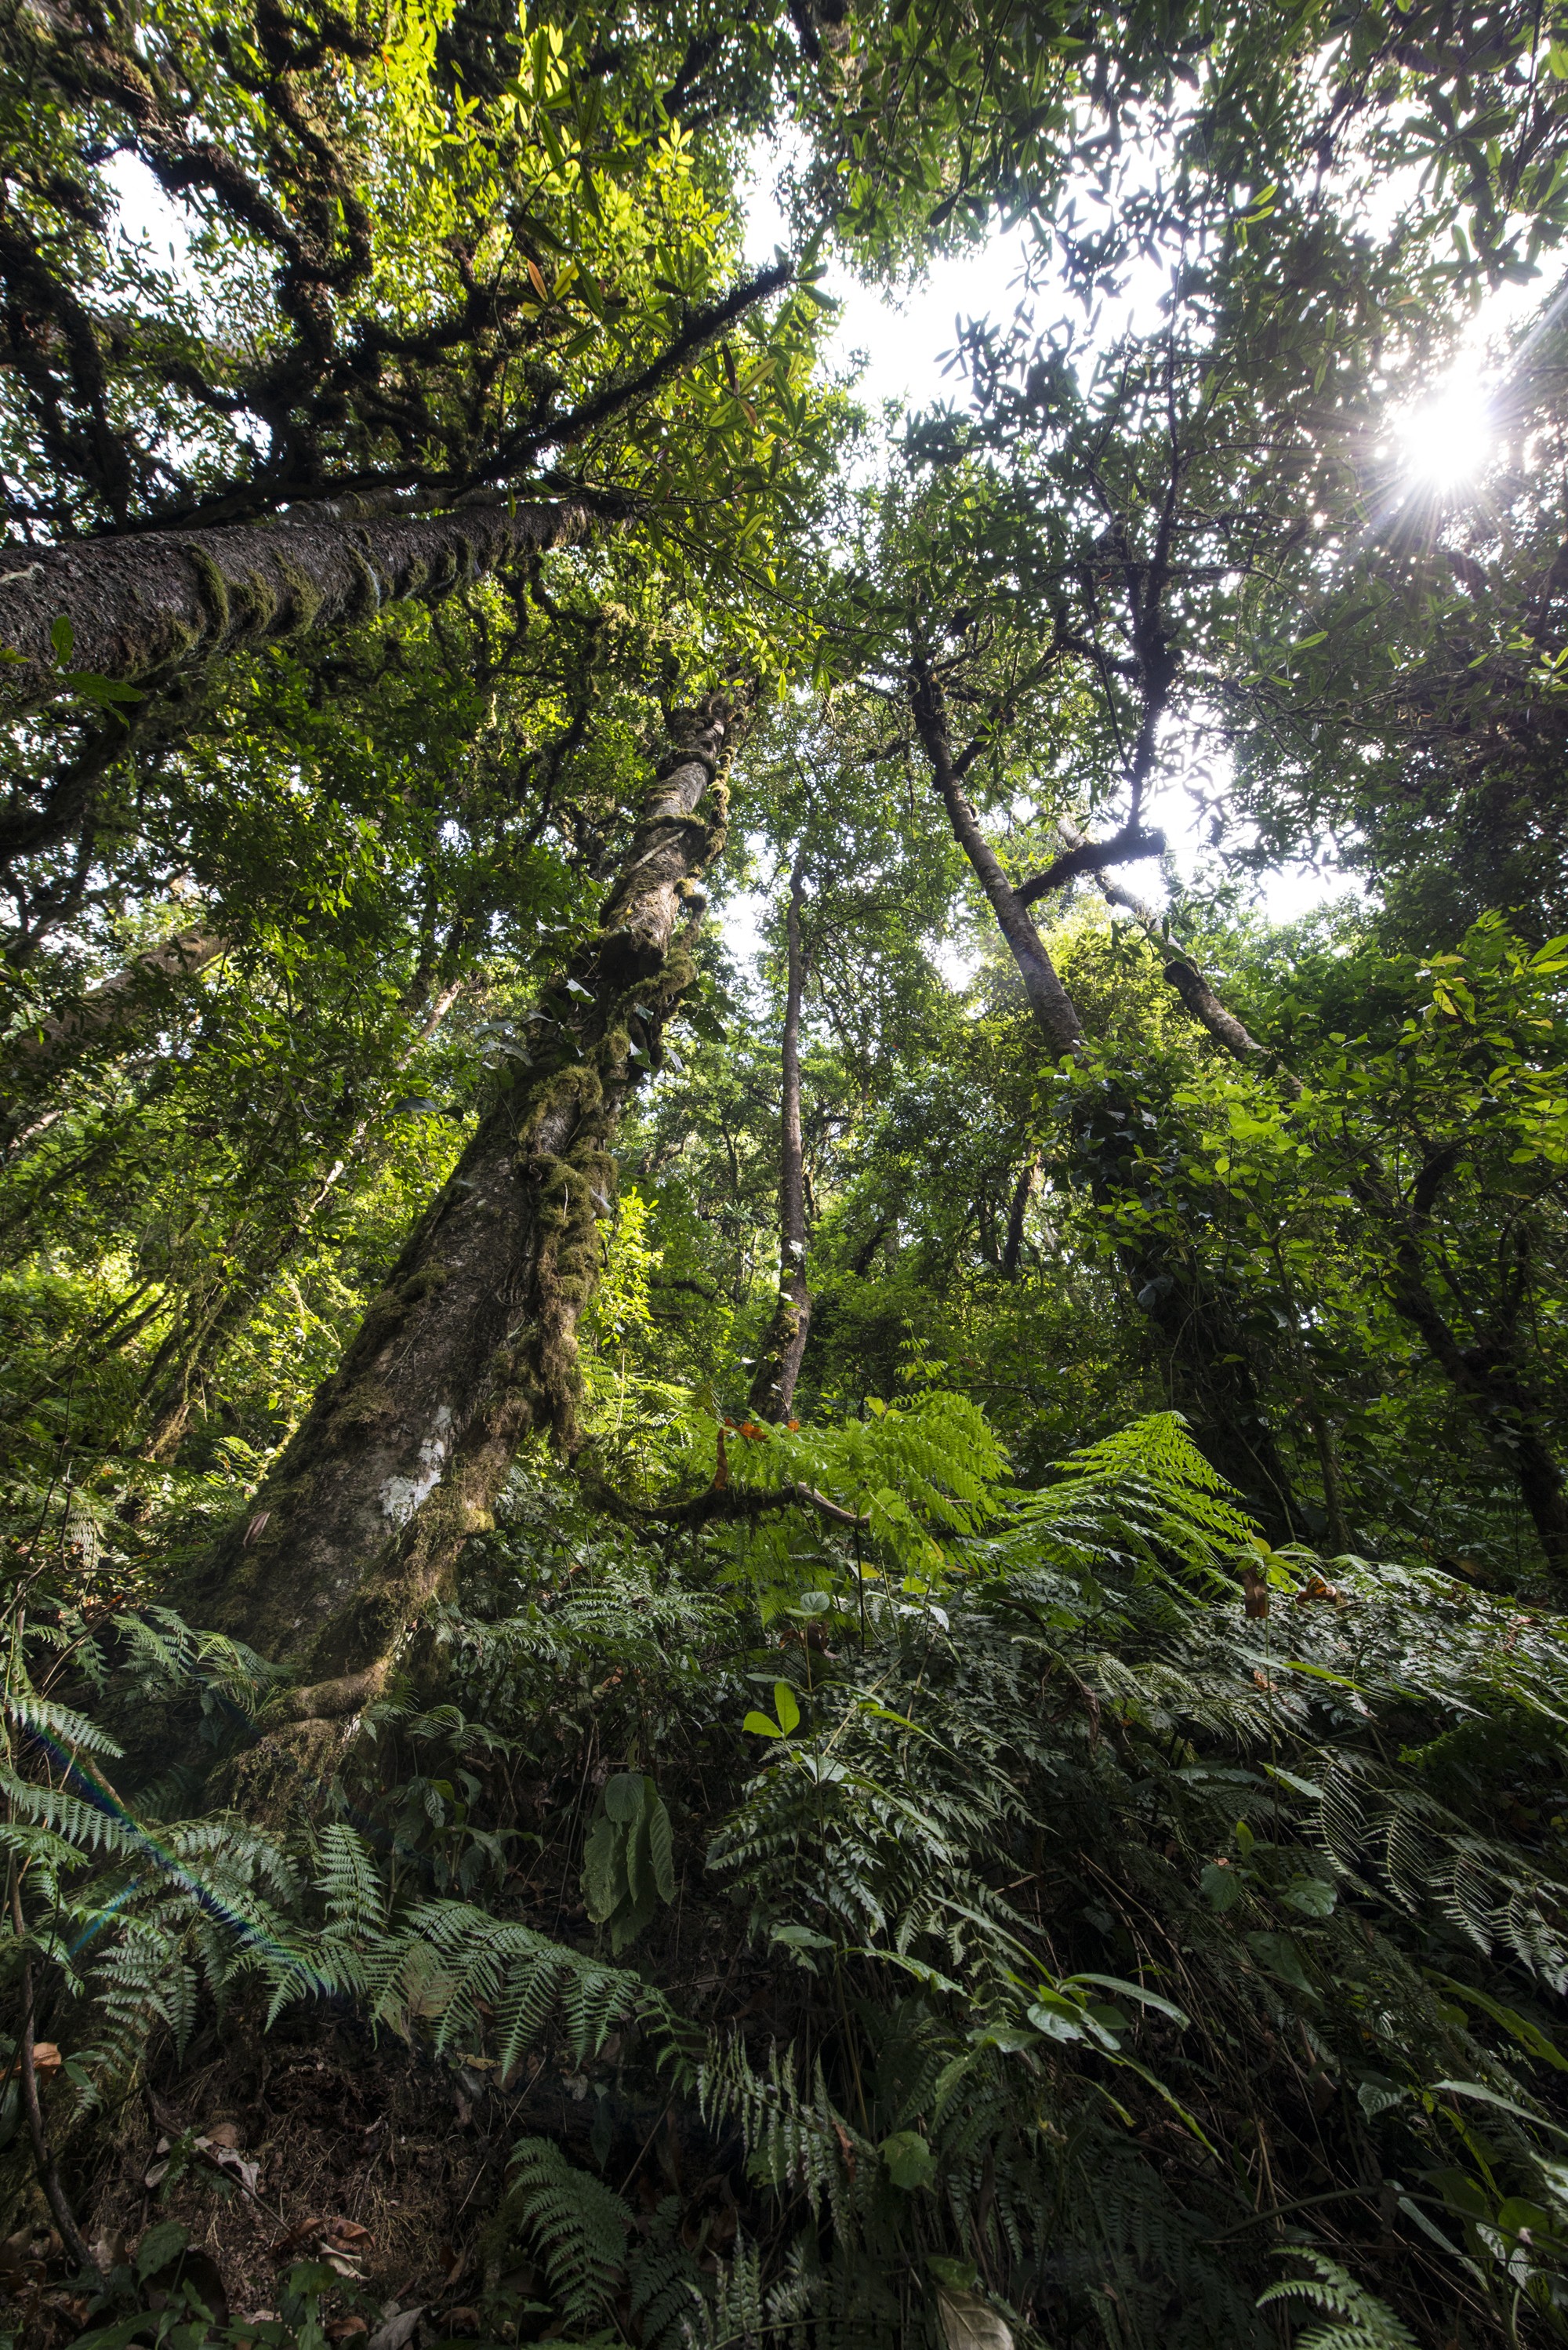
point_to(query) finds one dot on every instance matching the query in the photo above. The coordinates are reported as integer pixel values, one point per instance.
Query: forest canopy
(784, 1178)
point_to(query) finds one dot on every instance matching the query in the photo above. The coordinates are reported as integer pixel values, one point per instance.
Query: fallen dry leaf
(297, 2236)
(970, 2322)
(395, 2333)
(348, 2231)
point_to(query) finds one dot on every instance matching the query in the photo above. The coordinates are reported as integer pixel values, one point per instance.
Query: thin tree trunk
(1339, 1537)
(471, 1346)
(1508, 1415)
(1022, 1190)
(1055, 1013)
(779, 1359)
(142, 605)
(1207, 1357)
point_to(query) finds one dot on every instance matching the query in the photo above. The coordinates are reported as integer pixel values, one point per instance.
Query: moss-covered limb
(471, 1346)
(145, 604)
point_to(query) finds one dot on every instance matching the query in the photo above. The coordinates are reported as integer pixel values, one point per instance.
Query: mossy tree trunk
(471, 1346)
(781, 1352)
(139, 606)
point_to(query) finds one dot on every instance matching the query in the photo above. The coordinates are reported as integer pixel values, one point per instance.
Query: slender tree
(1208, 1358)
(783, 1345)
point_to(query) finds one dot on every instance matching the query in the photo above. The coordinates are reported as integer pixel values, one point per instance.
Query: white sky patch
(905, 340)
(146, 215)
(909, 346)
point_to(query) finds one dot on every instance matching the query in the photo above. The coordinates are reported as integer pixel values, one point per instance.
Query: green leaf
(786, 1706)
(661, 1843)
(101, 689)
(638, 1861)
(800, 1938)
(624, 1796)
(1280, 1955)
(604, 1870)
(1145, 1997)
(162, 2243)
(1505, 2104)
(1057, 2018)
(63, 636)
(1222, 1887)
(760, 1726)
(1519, 2027)
(910, 2164)
(1312, 1897)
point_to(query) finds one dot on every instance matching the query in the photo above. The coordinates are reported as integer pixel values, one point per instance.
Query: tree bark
(472, 1345)
(116, 1002)
(1490, 1380)
(1207, 1357)
(1055, 1013)
(32, 1058)
(142, 605)
(779, 1359)
(1012, 1247)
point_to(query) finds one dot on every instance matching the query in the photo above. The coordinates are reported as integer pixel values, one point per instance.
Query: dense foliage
(844, 1623)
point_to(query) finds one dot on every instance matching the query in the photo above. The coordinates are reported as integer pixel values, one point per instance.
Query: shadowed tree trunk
(1208, 1359)
(779, 1360)
(143, 605)
(472, 1345)
(1022, 1190)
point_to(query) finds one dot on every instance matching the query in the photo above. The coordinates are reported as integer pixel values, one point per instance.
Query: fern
(1357, 2319)
(668, 2292)
(578, 2226)
(1063, 1848)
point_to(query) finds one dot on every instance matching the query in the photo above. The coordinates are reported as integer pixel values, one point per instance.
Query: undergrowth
(1049, 1911)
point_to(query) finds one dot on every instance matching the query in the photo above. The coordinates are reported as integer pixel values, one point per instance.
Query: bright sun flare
(1446, 438)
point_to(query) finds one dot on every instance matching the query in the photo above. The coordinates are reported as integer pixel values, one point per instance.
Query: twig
(55, 2194)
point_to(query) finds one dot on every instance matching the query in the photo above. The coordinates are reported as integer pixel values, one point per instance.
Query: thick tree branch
(143, 605)
(701, 329)
(1092, 856)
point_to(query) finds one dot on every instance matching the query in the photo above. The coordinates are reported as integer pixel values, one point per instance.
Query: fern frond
(578, 2226)
(1358, 2320)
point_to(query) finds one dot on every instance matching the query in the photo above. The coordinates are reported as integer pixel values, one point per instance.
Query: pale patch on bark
(401, 1496)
